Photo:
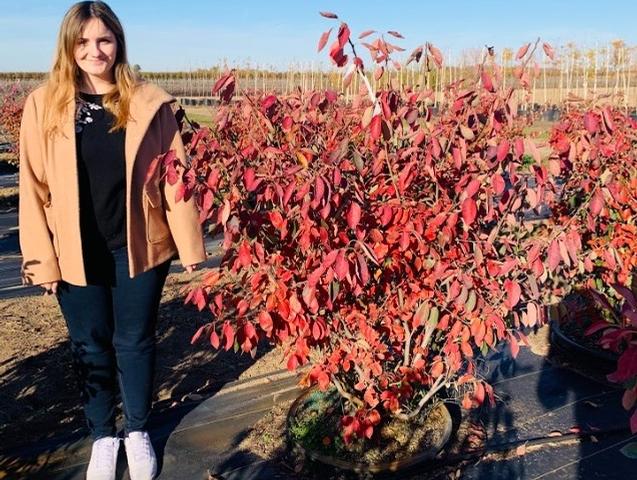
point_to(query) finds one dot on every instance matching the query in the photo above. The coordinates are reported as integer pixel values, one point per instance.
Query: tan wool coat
(158, 228)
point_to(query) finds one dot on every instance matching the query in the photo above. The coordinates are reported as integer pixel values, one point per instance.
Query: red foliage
(12, 98)
(377, 242)
(620, 336)
(594, 148)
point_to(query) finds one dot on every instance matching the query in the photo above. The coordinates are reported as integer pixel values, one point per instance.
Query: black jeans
(112, 331)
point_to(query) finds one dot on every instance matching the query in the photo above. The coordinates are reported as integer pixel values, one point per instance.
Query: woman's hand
(50, 288)
(190, 268)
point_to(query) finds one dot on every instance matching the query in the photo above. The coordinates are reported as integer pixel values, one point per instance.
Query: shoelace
(140, 444)
(104, 451)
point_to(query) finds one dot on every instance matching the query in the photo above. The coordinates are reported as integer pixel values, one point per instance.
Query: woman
(98, 228)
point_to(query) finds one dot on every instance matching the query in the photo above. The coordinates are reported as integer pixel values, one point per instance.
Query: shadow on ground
(42, 423)
(555, 418)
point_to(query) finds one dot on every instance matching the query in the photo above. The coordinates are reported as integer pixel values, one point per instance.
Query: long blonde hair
(65, 76)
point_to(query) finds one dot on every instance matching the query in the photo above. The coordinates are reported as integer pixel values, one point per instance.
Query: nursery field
(397, 240)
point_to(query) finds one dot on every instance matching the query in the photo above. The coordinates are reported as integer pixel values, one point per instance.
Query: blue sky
(179, 35)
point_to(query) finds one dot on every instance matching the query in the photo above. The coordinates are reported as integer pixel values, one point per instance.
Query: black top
(102, 184)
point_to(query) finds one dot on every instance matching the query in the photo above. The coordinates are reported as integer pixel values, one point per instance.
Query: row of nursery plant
(12, 97)
(392, 250)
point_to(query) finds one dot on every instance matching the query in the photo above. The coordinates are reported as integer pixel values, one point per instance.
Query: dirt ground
(38, 394)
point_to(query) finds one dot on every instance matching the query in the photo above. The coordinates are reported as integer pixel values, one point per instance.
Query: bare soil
(38, 392)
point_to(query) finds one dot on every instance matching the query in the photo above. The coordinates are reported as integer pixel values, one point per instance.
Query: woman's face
(95, 50)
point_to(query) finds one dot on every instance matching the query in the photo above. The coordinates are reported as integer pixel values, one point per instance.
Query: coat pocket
(49, 215)
(156, 223)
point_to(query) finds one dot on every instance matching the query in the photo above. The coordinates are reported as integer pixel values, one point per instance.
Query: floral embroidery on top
(83, 115)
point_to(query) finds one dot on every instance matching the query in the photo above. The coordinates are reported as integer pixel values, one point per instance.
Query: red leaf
(628, 295)
(518, 146)
(487, 83)
(287, 123)
(221, 82)
(197, 334)
(415, 55)
(375, 127)
(522, 51)
(308, 294)
(548, 50)
(362, 268)
(228, 334)
(337, 55)
(421, 315)
(323, 40)
(341, 266)
(213, 179)
(597, 203)
(473, 187)
(245, 257)
(276, 219)
(478, 393)
(268, 101)
(515, 346)
(365, 34)
(323, 380)
(497, 182)
(328, 15)
(249, 179)
(343, 35)
(329, 259)
(225, 86)
(319, 192)
(608, 119)
(503, 150)
(435, 53)
(591, 123)
(353, 215)
(554, 255)
(513, 292)
(293, 362)
(295, 305)
(265, 321)
(214, 339)
(370, 397)
(393, 33)
(469, 210)
(316, 331)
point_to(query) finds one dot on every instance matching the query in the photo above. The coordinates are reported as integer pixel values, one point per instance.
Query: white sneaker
(103, 463)
(142, 463)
